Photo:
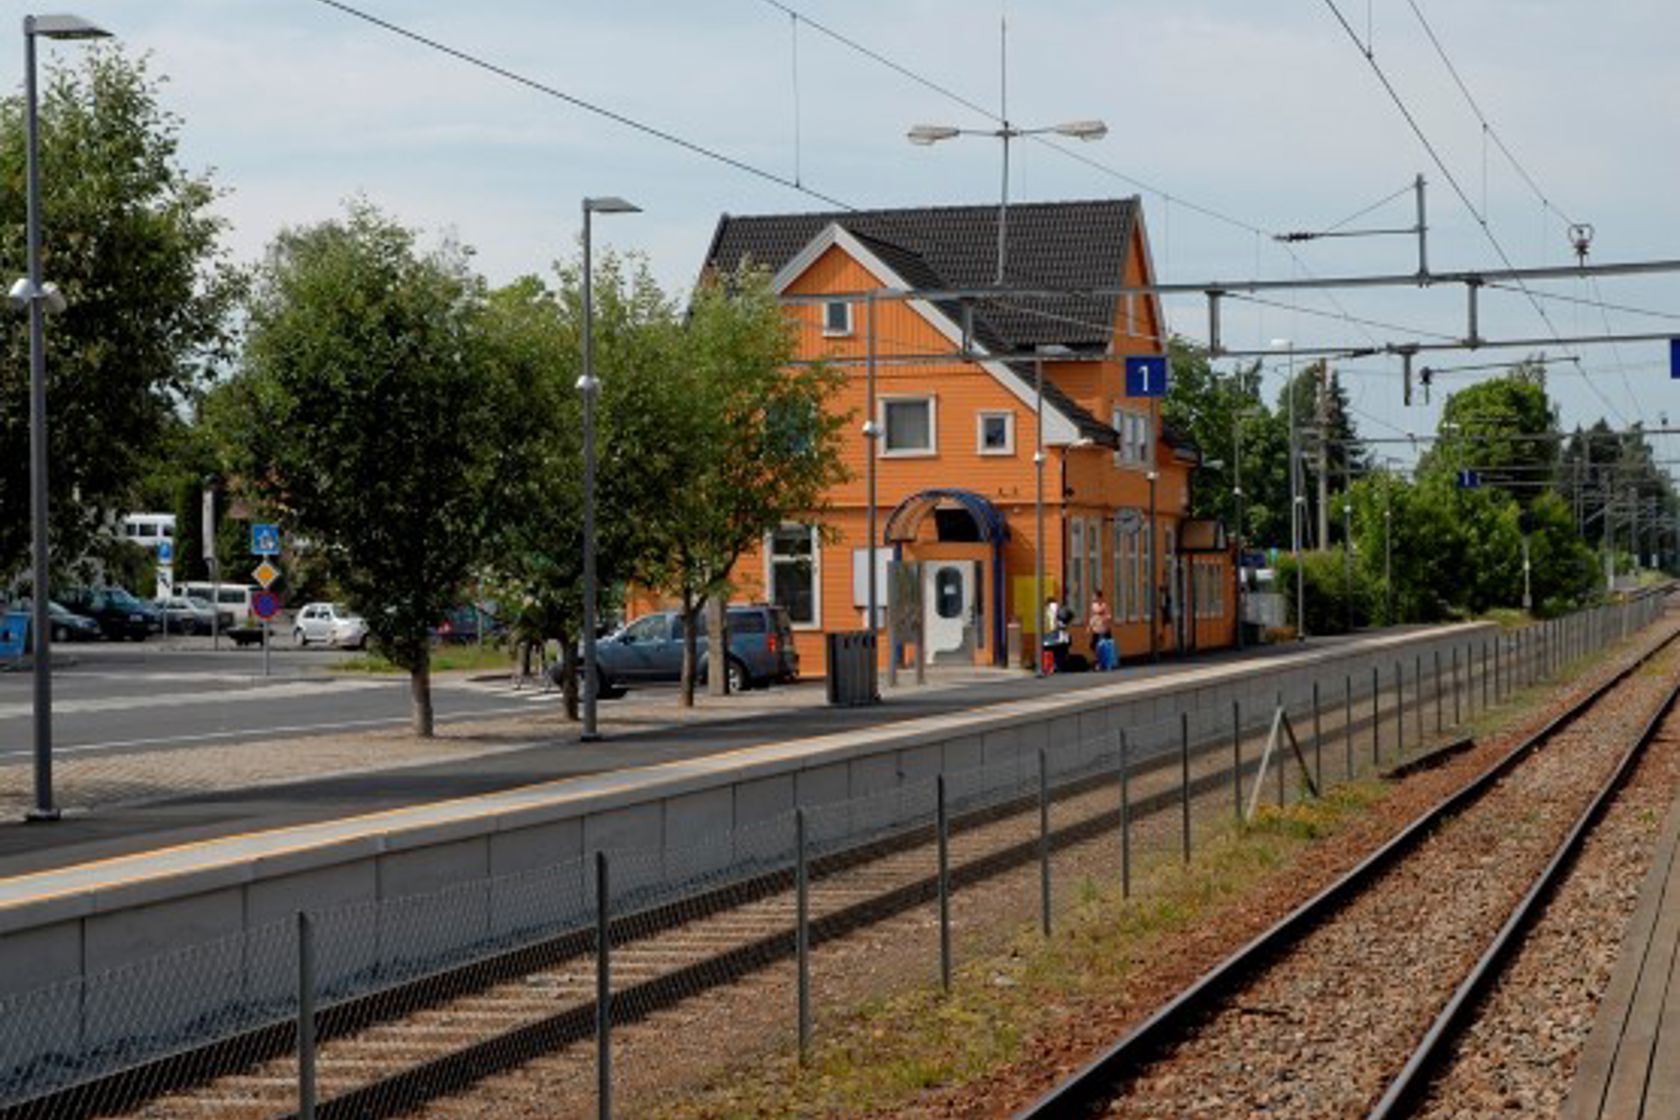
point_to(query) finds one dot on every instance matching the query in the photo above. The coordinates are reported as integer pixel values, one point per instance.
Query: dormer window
(837, 318)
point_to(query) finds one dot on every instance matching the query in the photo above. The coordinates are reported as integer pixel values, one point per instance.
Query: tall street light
(1296, 498)
(39, 298)
(590, 388)
(927, 135)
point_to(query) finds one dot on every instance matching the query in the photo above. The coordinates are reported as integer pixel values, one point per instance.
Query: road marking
(278, 691)
(258, 732)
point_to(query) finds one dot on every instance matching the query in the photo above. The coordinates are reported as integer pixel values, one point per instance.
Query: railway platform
(1630, 1068)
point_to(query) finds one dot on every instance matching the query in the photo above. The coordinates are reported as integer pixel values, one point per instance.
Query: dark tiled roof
(1053, 245)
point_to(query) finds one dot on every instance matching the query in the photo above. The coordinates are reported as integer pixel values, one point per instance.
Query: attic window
(837, 318)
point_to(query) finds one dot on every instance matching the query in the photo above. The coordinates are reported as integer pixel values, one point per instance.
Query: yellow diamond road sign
(265, 573)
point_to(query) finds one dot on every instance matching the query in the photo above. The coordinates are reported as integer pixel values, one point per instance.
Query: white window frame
(1136, 438)
(1008, 418)
(1075, 599)
(770, 563)
(832, 331)
(1093, 561)
(928, 452)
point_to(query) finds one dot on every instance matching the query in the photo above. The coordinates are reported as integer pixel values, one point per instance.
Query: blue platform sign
(1469, 479)
(1674, 358)
(1146, 376)
(265, 540)
(165, 554)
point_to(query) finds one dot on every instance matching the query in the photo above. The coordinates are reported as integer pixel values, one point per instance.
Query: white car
(330, 624)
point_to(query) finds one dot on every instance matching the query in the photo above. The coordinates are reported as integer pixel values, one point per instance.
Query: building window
(1135, 431)
(996, 433)
(1093, 560)
(1125, 572)
(909, 426)
(1075, 600)
(837, 318)
(794, 577)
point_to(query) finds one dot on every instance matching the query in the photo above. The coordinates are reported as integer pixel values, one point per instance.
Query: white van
(235, 597)
(148, 528)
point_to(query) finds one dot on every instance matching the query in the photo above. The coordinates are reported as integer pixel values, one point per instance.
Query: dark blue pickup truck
(651, 648)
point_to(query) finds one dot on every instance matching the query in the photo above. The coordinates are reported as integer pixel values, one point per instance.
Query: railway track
(1352, 1003)
(390, 1051)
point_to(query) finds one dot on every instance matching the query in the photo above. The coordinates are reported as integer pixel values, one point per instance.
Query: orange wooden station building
(956, 430)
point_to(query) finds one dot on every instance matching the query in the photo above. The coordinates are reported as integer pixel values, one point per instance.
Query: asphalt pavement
(117, 698)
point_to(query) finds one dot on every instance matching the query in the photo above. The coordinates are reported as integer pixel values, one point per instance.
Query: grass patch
(486, 658)
(897, 1046)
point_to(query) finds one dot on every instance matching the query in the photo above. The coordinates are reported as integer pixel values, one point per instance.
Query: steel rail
(1433, 1052)
(1094, 1084)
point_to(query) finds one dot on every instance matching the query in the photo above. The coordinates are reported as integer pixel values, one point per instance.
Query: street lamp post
(590, 389)
(927, 135)
(1296, 498)
(39, 298)
(1154, 575)
(1038, 513)
(1237, 494)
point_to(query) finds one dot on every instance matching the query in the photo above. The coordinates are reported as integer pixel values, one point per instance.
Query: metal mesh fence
(470, 999)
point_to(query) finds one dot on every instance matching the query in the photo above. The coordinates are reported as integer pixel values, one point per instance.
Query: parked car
(650, 649)
(118, 613)
(332, 624)
(64, 625)
(68, 626)
(467, 622)
(189, 614)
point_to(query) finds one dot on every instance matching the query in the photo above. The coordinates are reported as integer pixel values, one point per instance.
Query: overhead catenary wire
(1458, 189)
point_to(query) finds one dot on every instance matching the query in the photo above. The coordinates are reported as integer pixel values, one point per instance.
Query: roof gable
(1071, 246)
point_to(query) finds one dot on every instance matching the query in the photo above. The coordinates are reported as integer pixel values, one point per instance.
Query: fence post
(1458, 717)
(603, 991)
(1318, 744)
(1125, 819)
(1184, 779)
(1044, 841)
(802, 926)
(1376, 717)
(1347, 724)
(1236, 755)
(944, 823)
(1484, 675)
(1283, 795)
(1440, 697)
(306, 1017)
(1417, 699)
(1399, 709)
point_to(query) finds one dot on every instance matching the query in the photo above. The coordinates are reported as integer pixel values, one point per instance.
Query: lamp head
(1082, 130)
(63, 27)
(926, 134)
(610, 204)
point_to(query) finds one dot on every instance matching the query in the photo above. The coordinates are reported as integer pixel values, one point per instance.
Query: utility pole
(1323, 540)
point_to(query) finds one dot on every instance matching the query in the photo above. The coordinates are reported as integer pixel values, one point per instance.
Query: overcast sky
(1266, 113)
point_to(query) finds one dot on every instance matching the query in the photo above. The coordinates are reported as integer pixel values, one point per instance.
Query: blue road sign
(1146, 376)
(165, 554)
(1674, 357)
(1469, 479)
(265, 540)
(265, 604)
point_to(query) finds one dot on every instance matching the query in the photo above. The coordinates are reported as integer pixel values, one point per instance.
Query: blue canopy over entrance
(989, 527)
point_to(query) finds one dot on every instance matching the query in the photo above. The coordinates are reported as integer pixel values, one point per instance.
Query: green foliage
(750, 443)
(130, 238)
(1336, 590)
(359, 415)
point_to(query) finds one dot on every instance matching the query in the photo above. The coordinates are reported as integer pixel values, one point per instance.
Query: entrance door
(948, 591)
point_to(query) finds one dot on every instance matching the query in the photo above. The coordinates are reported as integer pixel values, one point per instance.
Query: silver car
(188, 614)
(331, 624)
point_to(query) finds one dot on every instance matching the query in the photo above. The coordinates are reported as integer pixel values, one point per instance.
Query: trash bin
(851, 669)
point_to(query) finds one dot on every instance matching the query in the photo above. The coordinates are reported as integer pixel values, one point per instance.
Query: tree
(534, 510)
(1504, 428)
(1225, 417)
(754, 439)
(362, 418)
(129, 236)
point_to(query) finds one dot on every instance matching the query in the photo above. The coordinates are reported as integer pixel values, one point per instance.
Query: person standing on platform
(1101, 620)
